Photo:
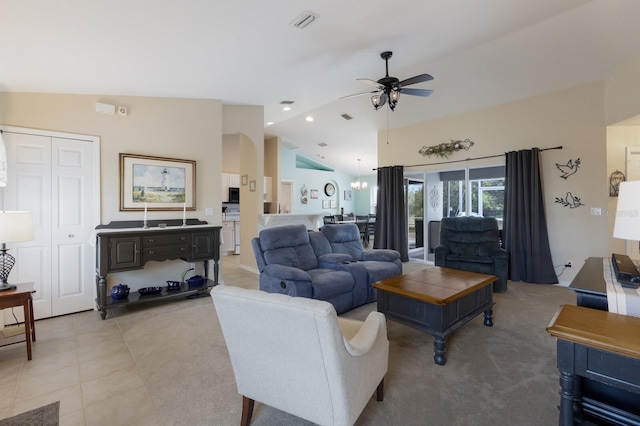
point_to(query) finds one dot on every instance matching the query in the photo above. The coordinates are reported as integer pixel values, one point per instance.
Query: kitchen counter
(310, 220)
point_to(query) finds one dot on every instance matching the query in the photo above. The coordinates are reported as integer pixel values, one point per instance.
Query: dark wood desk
(599, 361)
(20, 296)
(589, 285)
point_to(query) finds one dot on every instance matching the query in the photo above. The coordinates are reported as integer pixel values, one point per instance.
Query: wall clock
(329, 189)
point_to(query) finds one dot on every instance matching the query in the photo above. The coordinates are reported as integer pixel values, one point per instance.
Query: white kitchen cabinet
(268, 192)
(229, 180)
(225, 187)
(228, 236)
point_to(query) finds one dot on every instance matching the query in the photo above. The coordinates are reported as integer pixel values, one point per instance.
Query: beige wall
(166, 127)
(573, 119)
(176, 128)
(248, 123)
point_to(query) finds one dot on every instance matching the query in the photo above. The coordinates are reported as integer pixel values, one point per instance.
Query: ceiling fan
(389, 88)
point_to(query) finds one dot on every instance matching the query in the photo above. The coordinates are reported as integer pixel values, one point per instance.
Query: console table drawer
(165, 252)
(158, 240)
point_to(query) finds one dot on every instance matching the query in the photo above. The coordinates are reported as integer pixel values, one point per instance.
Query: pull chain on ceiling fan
(388, 88)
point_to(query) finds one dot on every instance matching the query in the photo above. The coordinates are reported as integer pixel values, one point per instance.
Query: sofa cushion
(329, 283)
(288, 245)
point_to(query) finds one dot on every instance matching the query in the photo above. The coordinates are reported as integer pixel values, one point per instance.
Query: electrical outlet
(192, 266)
(568, 264)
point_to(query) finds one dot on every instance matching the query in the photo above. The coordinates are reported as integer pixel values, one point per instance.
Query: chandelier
(358, 185)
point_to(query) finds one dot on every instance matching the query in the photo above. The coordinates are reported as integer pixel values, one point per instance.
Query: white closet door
(55, 178)
(29, 188)
(72, 213)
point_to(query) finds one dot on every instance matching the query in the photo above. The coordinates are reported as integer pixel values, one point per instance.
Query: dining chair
(363, 224)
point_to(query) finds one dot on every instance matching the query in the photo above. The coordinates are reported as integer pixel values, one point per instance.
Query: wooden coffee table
(437, 301)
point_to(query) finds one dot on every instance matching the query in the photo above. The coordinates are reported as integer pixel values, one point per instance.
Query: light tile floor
(84, 362)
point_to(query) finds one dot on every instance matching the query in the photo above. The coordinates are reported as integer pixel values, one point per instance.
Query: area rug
(47, 415)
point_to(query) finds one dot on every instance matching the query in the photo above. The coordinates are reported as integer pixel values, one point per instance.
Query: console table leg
(102, 296)
(488, 317)
(439, 347)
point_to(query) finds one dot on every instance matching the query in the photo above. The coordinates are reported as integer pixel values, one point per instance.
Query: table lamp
(15, 227)
(627, 223)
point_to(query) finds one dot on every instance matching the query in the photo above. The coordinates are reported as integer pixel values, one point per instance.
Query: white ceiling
(481, 53)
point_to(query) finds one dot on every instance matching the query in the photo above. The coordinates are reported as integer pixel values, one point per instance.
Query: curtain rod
(470, 159)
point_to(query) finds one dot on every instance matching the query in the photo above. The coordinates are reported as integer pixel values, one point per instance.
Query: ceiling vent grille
(346, 116)
(322, 144)
(304, 19)
(286, 102)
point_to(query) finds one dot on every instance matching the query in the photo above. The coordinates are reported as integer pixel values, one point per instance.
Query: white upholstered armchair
(295, 354)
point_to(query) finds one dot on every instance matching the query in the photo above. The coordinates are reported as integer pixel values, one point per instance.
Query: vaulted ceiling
(481, 53)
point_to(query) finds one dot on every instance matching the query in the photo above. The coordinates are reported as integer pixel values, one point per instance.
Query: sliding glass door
(449, 193)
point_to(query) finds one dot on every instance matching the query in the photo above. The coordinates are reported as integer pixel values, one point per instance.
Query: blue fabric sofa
(473, 244)
(375, 265)
(294, 261)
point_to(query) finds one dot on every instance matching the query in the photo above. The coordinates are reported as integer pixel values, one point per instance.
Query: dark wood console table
(589, 285)
(599, 361)
(125, 246)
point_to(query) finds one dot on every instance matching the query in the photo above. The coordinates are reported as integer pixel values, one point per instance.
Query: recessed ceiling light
(269, 123)
(287, 108)
(309, 118)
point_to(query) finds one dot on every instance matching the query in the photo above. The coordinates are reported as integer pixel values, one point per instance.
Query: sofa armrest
(332, 260)
(384, 255)
(287, 273)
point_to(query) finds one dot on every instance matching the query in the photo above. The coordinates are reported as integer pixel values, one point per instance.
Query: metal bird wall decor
(568, 169)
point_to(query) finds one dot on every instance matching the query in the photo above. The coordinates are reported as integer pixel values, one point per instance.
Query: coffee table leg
(439, 348)
(488, 317)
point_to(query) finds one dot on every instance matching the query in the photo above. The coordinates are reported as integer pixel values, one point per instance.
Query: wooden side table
(598, 355)
(20, 296)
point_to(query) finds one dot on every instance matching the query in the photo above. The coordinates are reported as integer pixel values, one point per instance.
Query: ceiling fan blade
(359, 94)
(417, 79)
(383, 100)
(416, 92)
(371, 82)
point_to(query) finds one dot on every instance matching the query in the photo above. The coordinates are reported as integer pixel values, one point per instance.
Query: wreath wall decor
(444, 150)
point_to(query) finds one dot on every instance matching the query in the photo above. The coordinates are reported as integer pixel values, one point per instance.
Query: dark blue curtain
(525, 226)
(391, 213)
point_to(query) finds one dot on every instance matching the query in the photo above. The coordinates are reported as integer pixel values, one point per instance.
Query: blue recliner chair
(473, 244)
(289, 265)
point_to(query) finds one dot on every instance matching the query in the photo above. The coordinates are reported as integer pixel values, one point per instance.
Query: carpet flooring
(505, 374)
(47, 415)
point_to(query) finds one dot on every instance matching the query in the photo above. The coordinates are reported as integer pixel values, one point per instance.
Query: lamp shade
(627, 224)
(15, 226)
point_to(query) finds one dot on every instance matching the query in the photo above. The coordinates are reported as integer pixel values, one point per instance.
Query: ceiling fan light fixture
(375, 100)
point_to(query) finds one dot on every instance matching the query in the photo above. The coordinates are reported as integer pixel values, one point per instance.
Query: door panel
(72, 212)
(29, 188)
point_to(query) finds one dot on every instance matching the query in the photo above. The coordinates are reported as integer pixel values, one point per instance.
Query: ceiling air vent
(304, 19)
(346, 116)
(322, 144)
(286, 102)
